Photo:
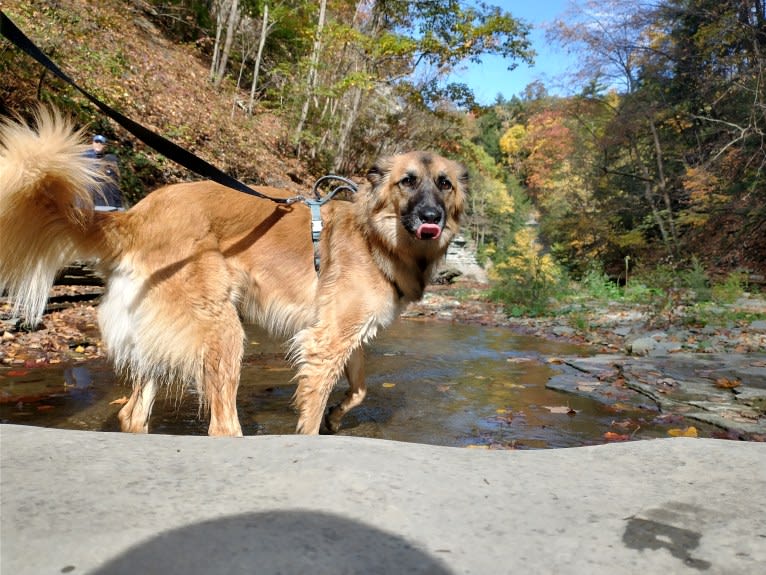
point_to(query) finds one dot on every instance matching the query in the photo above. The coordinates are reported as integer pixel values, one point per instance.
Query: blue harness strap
(316, 204)
(316, 227)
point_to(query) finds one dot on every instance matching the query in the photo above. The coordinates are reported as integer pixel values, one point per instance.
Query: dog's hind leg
(222, 363)
(134, 415)
(357, 390)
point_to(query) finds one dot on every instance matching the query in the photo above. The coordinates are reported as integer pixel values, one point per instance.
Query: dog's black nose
(429, 215)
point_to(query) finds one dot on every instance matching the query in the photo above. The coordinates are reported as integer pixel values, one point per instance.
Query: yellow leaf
(79, 349)
(513, 385)
(690, 431)
(389, 385)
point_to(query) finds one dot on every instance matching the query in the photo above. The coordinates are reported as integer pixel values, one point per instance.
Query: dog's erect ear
(379, 171)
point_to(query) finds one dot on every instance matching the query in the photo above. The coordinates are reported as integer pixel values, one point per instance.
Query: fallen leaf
(511, 385)
(554, 360)
(612, 436)
(121, 401)
(565, 409)
(625, 424)
(726, 383)
(690, 431)
(667, 381)
(388, 385)
(617, 406)
(586, 387)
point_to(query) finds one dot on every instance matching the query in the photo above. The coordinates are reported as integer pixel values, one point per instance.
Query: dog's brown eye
(408, 181)
(444, 184)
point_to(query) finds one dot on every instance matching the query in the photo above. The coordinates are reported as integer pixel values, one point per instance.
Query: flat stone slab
(683, 383)
(107, 503)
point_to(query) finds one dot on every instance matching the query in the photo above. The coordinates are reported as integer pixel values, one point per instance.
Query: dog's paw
(331, 421)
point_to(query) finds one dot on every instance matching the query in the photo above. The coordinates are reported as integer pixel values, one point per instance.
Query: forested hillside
(654, 157)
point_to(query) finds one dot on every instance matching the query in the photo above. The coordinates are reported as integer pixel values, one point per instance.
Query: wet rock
(666, 347)
(563, 330)
(758, 325)
(622, 330)
(642, 345)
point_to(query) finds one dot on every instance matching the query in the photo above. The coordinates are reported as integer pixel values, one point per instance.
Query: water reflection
(429, 382)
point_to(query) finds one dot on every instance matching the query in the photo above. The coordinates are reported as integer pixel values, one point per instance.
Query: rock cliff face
(461, 264)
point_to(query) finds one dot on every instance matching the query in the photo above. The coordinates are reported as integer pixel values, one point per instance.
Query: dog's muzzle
(430, 222)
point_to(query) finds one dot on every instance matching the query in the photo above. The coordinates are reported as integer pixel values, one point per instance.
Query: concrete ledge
(107, 503)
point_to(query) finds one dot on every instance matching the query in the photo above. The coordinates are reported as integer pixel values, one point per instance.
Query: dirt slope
(115, 50)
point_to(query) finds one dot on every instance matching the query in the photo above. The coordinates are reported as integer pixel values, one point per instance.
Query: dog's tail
(46, 209)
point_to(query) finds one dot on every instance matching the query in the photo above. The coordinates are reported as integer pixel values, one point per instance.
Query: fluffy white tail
(46, 209)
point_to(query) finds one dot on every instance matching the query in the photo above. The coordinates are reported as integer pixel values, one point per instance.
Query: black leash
(151, 139)
(175, 152)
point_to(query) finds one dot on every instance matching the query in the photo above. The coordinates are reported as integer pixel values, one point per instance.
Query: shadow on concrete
(275, 542)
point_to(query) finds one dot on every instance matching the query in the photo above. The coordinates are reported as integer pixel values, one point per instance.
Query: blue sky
(492, 77)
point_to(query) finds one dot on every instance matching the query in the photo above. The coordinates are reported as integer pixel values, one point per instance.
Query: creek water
(428, 382)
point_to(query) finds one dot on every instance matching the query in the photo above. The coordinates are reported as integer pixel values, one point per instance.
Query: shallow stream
(428, 382)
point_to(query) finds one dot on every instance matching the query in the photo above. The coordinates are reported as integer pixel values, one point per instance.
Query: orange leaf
(726, 383)
(612, 436)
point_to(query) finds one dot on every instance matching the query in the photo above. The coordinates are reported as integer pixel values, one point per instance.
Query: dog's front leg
(357, 390)
(321, 359)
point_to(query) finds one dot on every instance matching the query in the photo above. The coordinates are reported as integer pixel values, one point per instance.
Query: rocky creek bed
(707, 373)
(714, 374)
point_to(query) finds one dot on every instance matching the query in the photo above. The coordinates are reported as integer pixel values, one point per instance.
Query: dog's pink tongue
(428, 232)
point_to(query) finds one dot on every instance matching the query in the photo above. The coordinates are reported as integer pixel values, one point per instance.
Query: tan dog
(184, 264)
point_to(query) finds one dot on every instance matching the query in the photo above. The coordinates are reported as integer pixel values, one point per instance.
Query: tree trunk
(257, 67)
(231, 28)
(347, 125)
(663, 185)
(219, 17)
(649, 195)
(312, 75)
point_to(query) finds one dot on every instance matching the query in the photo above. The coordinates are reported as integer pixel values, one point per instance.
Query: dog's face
(426, 191)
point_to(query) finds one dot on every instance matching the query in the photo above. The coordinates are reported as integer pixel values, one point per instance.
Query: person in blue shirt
(107, 196)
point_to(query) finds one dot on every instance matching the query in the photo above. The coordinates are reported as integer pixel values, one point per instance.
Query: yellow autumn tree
(527, 278)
